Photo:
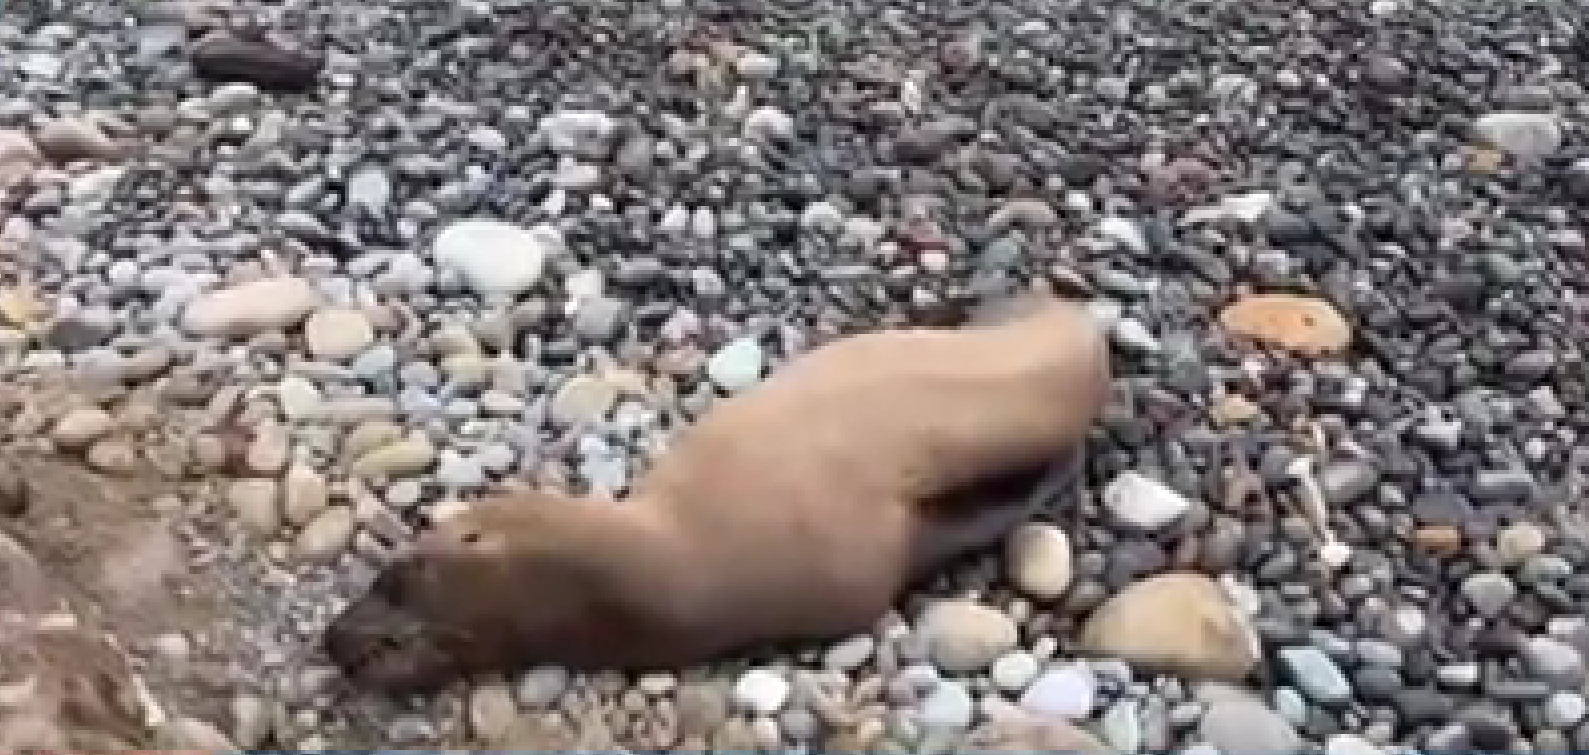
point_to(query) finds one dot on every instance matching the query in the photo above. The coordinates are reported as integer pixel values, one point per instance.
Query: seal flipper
(982, 515)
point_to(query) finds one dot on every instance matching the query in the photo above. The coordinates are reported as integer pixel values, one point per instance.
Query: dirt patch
(98, 578)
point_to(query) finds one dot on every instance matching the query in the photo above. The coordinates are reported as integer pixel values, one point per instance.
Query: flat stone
(327, 535)
(1315, 675)
(251, 308)
(1069, 691)
(408, 456)
(338, 334)
(737, 365)
(965, 636)
(1142, 502)
(1522, 134)
(1237, 726)
(1306, 326)
(1179, 622)
(78, 428)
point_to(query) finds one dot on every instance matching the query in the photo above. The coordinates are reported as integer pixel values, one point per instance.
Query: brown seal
(800, 509)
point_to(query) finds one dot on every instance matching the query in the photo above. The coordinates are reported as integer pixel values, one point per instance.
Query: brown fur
(800, 509)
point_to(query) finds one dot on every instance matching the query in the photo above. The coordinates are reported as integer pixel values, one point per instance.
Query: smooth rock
(79, 427)
(1179, 622)
(1524, 135)
(1014, 671)
(1142, 502)
(737, 365)
(494, 258)
(407, 456)
(255, 501)
(1315, 675)
(338, 334)
(1069, 691)
(251, 308)
(761, 691)
(964, 636)
(1241, 726)
(327, 536)
(304, 494)
(1038, 559)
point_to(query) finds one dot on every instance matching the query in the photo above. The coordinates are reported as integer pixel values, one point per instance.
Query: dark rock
(227, 57)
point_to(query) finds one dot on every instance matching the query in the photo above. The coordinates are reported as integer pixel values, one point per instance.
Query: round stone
(965, 636)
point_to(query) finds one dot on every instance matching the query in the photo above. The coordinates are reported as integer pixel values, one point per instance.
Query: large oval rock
(251, 308)
(965, 636)
(1178, 622)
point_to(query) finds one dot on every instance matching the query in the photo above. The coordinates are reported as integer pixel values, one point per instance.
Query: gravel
(343, 263)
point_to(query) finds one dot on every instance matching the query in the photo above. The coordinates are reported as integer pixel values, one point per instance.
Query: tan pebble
(254, 500)
(467, 370)
(964, 636)
(79, 427)
(1303, 325)
(113, 455)
(408, 456)
(304, 494)
(1039, 560)
(211, 452)
(370, 435)
(1233, 409)
(1438, 539)
(67, 139)
(1178, 622)
(492, 713)
(1515, 543)
(327, 536)
(21, 306)
(338, 333)
(251, 308)
(270, 450)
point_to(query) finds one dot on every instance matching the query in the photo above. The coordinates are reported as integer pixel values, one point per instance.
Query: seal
(799, 509)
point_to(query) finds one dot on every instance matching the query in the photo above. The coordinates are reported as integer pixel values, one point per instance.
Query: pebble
(67, 139)
(541, 686)
(1039, 560)
(850, 654)
(1143, 503)
(305, 494)
(1315, 675)
(338, 334)
(249, 309)
(1014, 671)
(495, 258)
(963, 636)
(762, 692)
(1181, 622)
(406, 456)
(948, 706)
(736, 366)
(1551, 660)
(327, 535)
(1069, 691)
(1247, 726)
(1523, 135)
(79, 427)
(255, 501)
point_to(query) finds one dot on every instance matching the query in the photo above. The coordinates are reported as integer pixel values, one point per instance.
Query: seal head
(500, 580)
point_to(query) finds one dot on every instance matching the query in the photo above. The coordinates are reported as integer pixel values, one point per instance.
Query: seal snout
(377, 643)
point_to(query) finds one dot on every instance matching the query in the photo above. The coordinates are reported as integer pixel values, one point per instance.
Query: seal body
(799, 509)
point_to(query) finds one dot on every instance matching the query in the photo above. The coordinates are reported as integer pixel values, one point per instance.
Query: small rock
(736, 366)
(1345, 482)
(304, 494)
(1553, 661)
(1180, 622)
(1315, 675)
(582, 399)
(191, 734)
(68, 139)
(541, 686)
(225, 57)
(1350, 744)
(328, 535)
(1489, 592)
(254, 499)
(1039, 561)
(1239, 725)
(947, 706)
(1515, 543)
(964, 636)
(761, 691)
(1307, 326)
(1067, 692)
(251, 308)
(338, 334)
(408, 456)
(1014, 671)
(1142, 502)
(1023, 734)
(80, 427)
(496, 258)
(850, 654)
(1523, 135)
(492, 713)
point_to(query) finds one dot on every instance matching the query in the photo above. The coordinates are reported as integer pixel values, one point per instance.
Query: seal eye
(470, 538)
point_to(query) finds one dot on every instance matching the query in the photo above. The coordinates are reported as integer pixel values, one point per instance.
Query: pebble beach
(280, 277)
